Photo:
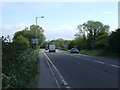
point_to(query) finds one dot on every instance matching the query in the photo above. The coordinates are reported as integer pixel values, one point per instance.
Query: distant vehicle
(52, 48)
(46, 47)
(74, 50)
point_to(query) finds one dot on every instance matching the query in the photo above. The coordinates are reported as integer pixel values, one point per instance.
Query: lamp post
(36, 31)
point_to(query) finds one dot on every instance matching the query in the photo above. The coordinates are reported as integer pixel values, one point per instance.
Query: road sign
(34, 41)
(92, 43)
(65, 46)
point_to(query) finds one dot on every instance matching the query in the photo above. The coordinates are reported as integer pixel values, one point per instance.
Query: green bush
(22, 42)
(19, 67)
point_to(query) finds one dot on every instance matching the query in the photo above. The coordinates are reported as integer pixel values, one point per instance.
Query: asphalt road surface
(85, 71)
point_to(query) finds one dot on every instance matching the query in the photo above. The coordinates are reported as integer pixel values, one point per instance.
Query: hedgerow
(19, 67)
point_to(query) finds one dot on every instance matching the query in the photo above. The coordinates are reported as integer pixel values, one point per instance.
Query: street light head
(42, 16)
(37, 17)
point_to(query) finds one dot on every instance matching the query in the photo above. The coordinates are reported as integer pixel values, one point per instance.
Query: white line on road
(114, 65)
(94, 60)
(98, 61)
(53, 75)
(64, 82)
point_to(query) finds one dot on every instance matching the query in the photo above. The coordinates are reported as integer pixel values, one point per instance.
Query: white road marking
(114, 65)
(88, 59)
(94, 60)
(53, 74)
(64, 82)
(98, 61)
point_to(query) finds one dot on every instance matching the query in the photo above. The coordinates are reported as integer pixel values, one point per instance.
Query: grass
(65, 50)
(96, 53)
(100, 53)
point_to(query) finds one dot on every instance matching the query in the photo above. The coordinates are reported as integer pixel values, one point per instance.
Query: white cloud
(108, 12)
(51, 32)
(11, 29)
(62, 31)
(113, 27)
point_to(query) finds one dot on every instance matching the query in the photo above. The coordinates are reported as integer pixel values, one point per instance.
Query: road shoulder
(44, 78)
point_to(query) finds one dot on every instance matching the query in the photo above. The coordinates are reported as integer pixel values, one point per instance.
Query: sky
(60, 18)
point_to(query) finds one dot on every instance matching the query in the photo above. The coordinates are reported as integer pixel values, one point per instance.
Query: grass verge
(65, 49)
(100, 53)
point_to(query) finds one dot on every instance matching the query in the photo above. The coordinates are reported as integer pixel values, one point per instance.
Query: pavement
(44, 78)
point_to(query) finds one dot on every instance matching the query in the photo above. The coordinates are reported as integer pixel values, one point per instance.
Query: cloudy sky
(60, 18)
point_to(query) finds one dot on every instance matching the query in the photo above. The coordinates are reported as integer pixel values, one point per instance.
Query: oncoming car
(74, 50)
(52, 48)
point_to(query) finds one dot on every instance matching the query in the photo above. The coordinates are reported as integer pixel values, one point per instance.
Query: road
(84, 71)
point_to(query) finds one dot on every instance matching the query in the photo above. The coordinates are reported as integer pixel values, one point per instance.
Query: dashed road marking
(98, 61)
(94, 60)
(114, 65)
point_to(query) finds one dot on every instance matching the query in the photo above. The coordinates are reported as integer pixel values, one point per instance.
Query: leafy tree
(22, 42)
(102, 41)
(94, 30)
(31, 34)
(80, 43)
(59, 42)
(72, 44)
(114, 41)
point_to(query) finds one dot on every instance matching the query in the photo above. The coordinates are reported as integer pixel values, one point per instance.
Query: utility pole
(36, 31)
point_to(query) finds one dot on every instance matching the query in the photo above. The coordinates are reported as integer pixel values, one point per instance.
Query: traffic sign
(34, 41)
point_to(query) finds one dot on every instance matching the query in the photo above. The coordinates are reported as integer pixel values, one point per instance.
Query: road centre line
(98, 61)
(95, 61)
(114, 65)
(62, 79)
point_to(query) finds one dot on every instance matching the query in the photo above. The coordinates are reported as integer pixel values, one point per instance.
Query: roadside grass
(39, 50)
(96, 53)
(65, 49)
(99, 53)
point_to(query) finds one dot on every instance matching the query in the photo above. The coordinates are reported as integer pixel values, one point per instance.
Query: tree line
(93, 35)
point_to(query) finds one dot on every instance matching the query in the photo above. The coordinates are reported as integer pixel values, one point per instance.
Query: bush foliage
(19, 66)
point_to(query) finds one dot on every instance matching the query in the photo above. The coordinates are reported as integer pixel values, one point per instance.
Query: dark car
(74, 50)
(46, 48)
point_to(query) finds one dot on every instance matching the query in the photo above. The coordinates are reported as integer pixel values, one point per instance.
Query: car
(52, 48)
(74, 50)
(46, 48)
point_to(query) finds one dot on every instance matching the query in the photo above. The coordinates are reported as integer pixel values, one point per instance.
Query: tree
(102, 41)
(31, 34)
(60, 42)
(22, 42)
(114, 41)
(93, 31)
(72, 44)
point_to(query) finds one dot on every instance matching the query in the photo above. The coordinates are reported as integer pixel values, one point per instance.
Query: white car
(52, 48)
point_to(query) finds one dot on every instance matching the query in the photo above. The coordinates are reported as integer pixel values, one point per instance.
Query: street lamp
(36, 31)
